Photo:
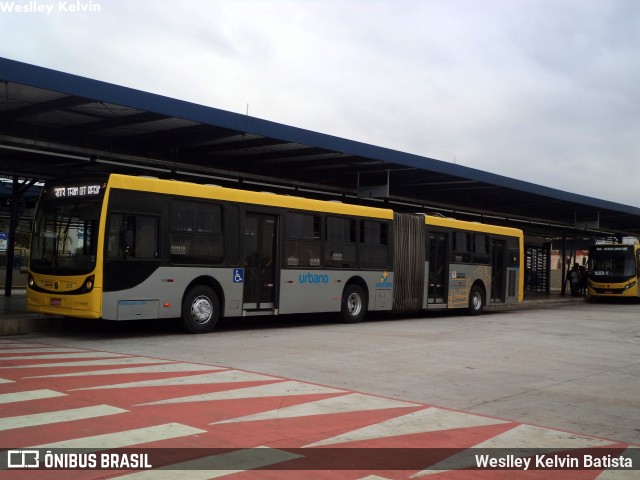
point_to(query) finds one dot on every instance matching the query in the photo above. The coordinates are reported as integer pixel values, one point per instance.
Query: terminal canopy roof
(54, 124)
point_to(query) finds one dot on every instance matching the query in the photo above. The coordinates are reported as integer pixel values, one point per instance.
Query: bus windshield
(612, 263)
(65, 236)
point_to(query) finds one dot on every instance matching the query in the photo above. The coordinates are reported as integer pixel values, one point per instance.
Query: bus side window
(302, 244)
(146, 237)
(132, 236)
(461, 247)
(232, 232)
(196, 234)
(481, 248)
(340, 242)
(113, 239)
(374, 244)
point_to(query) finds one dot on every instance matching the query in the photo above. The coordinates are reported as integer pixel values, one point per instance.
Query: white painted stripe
(626, 474)
(629, 474)
(29, 395)
(95, 363)
(354, 402)
(207, 378)
(529, 436)
(166, 368)
(43, 349)
(127, 438)
(422, 421)
(280, 389)
(54, 356)
(4, 380)
(522, 437)
(46, 418)
(217, 465)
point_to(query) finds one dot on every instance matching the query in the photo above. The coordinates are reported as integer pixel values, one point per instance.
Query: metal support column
(16, 193)
(563, 288)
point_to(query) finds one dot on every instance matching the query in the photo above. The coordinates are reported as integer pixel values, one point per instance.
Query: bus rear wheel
(200, 309)
(476, 300)
(354, 304)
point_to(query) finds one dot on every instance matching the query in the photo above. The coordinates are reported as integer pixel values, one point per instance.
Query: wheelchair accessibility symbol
(238, 275)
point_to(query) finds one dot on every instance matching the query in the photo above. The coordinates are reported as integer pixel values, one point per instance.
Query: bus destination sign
(71, 191)
(612, 248)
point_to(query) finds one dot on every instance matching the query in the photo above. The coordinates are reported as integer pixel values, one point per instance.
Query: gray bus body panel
(309, 291)
(301, 291)
(462, 277)
(160, 295)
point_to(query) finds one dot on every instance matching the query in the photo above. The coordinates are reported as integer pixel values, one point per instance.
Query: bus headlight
(631, 285)
(31, 282)
(87, 286)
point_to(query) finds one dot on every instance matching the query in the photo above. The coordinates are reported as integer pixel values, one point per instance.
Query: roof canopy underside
(54, 124)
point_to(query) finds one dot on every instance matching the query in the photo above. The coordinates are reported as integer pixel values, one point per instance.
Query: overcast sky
(546, 91)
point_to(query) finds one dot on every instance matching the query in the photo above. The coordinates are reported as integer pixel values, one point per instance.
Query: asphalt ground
(551, 365)
(494, 364)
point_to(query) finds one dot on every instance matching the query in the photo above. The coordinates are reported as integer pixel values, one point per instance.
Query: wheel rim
(354, 304)
(476, 301)
(201, 309)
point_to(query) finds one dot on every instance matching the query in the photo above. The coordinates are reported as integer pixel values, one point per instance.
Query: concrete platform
(15, 320)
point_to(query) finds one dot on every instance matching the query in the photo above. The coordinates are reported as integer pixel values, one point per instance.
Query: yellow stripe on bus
(472, 226)
(186, 189)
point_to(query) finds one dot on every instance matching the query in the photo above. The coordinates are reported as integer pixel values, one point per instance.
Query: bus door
(438, 268)
(498, 270)
(260, 262)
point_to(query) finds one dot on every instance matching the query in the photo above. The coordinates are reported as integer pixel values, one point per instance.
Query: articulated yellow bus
(121, 247)
(613, 271)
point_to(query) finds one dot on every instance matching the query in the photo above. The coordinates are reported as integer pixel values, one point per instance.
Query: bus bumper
(613, 290)
(79, 306)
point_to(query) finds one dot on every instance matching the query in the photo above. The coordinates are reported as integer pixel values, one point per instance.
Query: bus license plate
(55, 302)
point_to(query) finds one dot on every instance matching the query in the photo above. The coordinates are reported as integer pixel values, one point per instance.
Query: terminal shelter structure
(55, 124)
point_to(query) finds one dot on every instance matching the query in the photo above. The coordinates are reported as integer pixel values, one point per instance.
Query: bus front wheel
(200, 309)
(354, 304)
(476, 300)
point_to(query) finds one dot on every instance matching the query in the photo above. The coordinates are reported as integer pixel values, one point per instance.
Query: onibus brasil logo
(28, 459)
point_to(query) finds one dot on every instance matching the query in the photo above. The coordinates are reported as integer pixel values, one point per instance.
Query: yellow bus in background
(613, 271)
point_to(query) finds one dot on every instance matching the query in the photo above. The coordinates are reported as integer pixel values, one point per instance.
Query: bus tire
(476, 300)
(200, 309)
(354, 304)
